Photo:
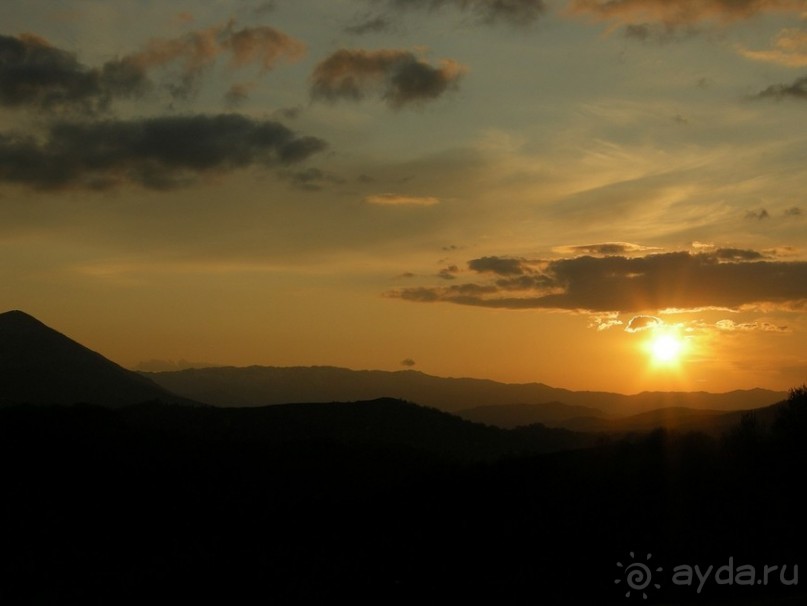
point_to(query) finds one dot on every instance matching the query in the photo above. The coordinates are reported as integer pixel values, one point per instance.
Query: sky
(592, 194)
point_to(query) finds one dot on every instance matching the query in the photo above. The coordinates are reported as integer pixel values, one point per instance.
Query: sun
(666, 348)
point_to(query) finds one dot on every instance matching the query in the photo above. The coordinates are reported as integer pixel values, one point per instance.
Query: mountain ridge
(263, 385)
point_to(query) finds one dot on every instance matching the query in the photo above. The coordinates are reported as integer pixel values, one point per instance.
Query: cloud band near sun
(723, 278)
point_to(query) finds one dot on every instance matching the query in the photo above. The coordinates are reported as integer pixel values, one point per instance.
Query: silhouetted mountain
(385, 422)
(41, 366)
(261, 385)
(508, 416)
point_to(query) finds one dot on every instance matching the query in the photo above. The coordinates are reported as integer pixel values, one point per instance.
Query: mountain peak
(16, 316)
(39, 365)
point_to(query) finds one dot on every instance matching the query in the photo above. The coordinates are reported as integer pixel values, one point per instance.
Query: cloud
(264, 46)
(371, 25)
(678, 280)
(448, 273)
(605, 321)
(731, 326)
(238, 93)
(640, 323)
(794, 211)
(34, 73)
(399, 200)
(658, 32)
(795, 90)
(790, 49)
(408, 362)
(197, 50)
(517, 12)
(503, 266)
(758, 215)
(737, 254)
(399, 77)
(606, 248)
(680, 12)
(153, 152)
(314, 179)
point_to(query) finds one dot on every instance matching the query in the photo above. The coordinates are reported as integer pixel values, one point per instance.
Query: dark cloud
(795, 90)
(679, 280)
(35, 74)
(314, 179)
(153, 152)
(449, 273)
(398, 76)
(503, 266)
(516, 12)
(639, 323)
(371, 25)
(794, 211)
(408, 362)
(757, 215)
(658, 32)
(680, 12)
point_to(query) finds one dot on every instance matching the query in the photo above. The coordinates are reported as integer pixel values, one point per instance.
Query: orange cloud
(399, 200)
(681, 12)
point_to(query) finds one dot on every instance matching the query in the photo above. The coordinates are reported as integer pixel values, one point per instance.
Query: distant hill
(681, 419)
(262, 385)
(41, 366)
(552, 414)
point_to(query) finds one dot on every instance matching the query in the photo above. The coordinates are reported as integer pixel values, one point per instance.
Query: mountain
(681, 419)
(262, 385)
(508, 416)
(385, 423)
(41, 366)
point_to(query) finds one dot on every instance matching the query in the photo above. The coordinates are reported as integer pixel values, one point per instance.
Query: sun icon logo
(638, 576)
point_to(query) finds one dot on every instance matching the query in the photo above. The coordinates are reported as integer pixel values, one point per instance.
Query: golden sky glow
(524, 191)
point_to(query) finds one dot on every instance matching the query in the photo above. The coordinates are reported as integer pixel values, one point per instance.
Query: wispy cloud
(789, 48)
(35, 74)
(517, 12)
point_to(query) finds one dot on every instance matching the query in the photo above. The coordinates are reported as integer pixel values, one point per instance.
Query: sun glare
(666, 348)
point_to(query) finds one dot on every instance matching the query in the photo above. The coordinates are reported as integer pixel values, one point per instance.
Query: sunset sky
(520, 190)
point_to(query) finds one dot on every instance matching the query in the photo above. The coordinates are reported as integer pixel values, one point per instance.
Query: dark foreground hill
(41, 366)
(385, 422)
(197, 505)
(262, 385)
